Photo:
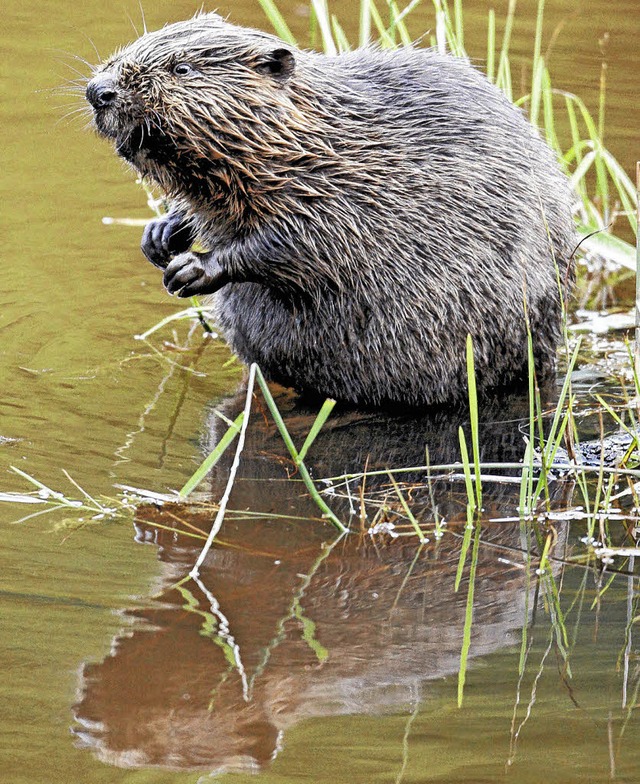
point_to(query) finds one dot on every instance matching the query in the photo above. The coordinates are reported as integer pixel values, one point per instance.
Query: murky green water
(312, 663)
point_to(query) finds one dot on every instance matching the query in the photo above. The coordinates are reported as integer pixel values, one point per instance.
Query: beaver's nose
(101, 91)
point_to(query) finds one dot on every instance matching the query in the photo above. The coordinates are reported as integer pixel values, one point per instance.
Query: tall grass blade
(581, 169)
(458, 23)
(277, 21)
(210, 461)
(393, 14)
(323, 415)
(397, 24)
(491, 45)
(448, 34)
(407, 510)
(466, 468)
(503, 78)
(339, 35)
(581, 186)
(473, 416)
(548, 112)
(324, 22)
(526, 484)
(602, 100)
(405, 12)
(624, 187)
(286, 437)
(538, 67)
(364, 35)
(386, 41)
(535, 97)
(636, 365)
(558, 425)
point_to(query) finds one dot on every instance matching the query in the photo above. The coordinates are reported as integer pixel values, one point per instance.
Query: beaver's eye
(183, 69)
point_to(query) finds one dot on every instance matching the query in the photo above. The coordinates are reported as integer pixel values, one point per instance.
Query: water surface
(299, 660)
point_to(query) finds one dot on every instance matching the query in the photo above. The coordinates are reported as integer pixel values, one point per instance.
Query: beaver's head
(198, 105)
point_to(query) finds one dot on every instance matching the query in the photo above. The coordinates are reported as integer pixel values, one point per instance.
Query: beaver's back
(459, 213)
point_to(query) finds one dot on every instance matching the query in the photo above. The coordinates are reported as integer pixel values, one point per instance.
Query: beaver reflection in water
(363, 212)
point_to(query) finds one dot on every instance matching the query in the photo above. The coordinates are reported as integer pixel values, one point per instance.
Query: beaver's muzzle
(101, 91)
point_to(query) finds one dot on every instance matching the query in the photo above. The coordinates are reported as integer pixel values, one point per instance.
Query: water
(350, 655)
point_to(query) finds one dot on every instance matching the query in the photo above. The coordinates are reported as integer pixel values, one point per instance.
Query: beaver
(361, 213)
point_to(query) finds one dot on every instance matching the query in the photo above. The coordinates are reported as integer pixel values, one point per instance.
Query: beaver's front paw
(164, 237)
(190, 274)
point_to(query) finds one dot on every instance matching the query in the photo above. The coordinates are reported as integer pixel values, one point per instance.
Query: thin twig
(217, 523)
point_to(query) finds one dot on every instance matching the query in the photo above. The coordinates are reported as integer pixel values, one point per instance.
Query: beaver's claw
(190, 274)
(165, 237)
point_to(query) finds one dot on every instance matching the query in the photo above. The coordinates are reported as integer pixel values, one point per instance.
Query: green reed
(407, 510)
(297, 455)
(474, 511)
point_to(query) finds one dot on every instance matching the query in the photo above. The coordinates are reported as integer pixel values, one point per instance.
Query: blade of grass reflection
(309, 633)
(468, 616)
(406, 577)
(628, 636)
(515, 734)
(405, 742)
(525, 644)
(215, 626)
(293, 609)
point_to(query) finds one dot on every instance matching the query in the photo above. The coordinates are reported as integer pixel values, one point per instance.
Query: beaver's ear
(279, 63)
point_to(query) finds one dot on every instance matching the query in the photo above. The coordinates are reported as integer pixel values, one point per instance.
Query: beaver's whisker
(77, 57)
(73, 108)
(72, 84)
(59, 90)
(145, 124)
(72, 114)
(75, 70)
(155, 120)
(144, 21)
(133, 24)
(95, 49)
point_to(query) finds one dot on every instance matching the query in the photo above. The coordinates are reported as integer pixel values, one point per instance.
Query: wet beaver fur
(362, 212)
